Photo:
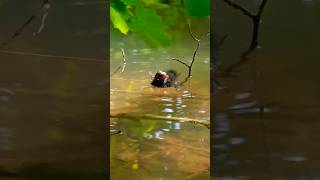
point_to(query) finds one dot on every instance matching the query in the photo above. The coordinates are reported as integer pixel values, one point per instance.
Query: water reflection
(159, 149)
(163, 151)
(265, 126)
(52, 103)
(5, 94)
(157, 134)
(295, 158)
(308, 2)
(5, 139)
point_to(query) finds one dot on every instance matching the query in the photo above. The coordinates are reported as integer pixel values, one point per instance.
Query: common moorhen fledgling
(164, 79)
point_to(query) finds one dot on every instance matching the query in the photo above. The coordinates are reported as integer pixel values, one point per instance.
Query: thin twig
(195, 51)
(123, 60)
(194, 54)
(184, 81)
(263, 4)
(123, 63)
(45, 5)
(205, 123)
(242, 9)
(243, 60)
(193, 58)
(18, 32)
(221, 42)
(56, 57)
(45, 8)
(116, 70)
(192, 35)
(180, 62)
(255, 19)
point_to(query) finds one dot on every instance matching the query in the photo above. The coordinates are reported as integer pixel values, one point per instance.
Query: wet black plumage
(164, 79)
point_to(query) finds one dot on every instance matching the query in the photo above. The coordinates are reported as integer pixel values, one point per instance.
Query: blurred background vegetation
(159, 23)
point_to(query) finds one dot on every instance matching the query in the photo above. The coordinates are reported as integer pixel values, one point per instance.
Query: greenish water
(159, 149)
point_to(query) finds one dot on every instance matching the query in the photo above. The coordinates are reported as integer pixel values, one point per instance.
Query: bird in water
(163, 79)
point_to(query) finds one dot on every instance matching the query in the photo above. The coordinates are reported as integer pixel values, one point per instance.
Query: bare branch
(194, 54)
(116, 70)
(68, 58)
(45, 11)
(123, 60)
(237, 6)
(221, 42)
(184, 81)
(243, 60)
(192, 35)
(180, 61)
(205, 123)
(122, 64)
(18, 32)
(255, 19)
(45, 5)
(195, 51)
(263, 4)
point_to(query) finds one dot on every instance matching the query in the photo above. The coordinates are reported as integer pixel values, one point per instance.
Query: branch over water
(156, 117)
(44, 10)
(254, 17)
(122, 64)
(193, 57)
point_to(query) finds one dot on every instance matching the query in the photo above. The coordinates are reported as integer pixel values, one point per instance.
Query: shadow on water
(265, 125)
(52, 103)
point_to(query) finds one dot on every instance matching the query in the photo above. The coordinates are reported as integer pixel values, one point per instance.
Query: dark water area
(53, 91)
(266, 121)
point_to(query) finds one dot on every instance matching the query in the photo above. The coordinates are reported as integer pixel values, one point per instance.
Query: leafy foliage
(118, 21)
(198, 8)
(149, 25)
(119, 16)
(156, 20)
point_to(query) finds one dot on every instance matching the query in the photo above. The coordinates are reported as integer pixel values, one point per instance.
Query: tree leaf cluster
(157, 22)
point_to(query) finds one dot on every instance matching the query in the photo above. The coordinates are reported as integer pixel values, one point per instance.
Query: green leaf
(149, 25)
(128, 2)
(119, 5)
(118, 21)
(198, 8)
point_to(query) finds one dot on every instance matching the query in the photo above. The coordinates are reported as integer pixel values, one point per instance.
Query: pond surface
(266, 122)
(149, 148)
(52, 91)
